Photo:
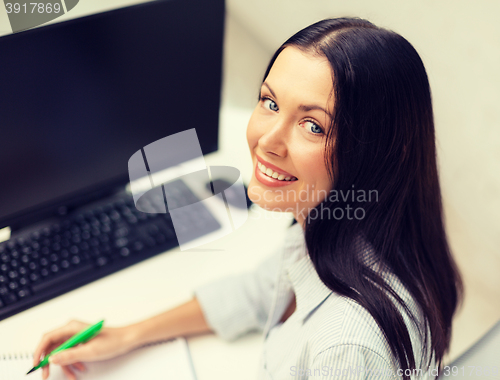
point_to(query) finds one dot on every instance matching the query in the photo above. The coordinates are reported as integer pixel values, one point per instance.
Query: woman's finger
(59, 335)
(45, 369)
(80, 366)
(68, 372)
(45, 372)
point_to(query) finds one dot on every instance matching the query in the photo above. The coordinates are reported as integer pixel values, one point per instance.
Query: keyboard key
(132, 219)
(121, 232)
(101, 261)
(3, 290)
(104, 219)
(114, 215)
(13, 274)
(121, 242)
(23, 293)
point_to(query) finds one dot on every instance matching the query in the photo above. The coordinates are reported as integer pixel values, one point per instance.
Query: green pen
(81, 337)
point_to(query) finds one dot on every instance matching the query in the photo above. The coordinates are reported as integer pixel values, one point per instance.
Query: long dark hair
(383, 134)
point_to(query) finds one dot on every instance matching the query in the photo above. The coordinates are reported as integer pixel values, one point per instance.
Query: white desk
(166, 280)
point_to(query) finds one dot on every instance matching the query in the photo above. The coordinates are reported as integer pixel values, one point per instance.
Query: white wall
(459, 42)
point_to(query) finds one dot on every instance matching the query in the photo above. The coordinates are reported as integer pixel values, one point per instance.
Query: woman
(343, 137)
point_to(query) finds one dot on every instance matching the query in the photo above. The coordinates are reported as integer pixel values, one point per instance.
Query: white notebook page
(163, 360)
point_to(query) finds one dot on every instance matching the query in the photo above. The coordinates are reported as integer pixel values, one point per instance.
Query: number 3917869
(33, 7)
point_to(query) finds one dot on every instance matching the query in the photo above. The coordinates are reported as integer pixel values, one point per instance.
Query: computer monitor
(80, 97)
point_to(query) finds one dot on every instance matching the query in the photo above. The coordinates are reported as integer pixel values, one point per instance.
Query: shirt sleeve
(349, 361)
(237, 304)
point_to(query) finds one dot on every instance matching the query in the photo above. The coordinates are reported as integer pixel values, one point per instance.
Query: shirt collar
(309, 290)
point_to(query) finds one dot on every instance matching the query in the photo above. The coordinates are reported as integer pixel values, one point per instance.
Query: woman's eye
(313, 127)
(271, 105)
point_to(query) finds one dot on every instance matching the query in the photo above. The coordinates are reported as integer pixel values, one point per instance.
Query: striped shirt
(328, 336)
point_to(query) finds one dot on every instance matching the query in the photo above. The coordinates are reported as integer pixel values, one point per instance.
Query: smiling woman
(344, 105)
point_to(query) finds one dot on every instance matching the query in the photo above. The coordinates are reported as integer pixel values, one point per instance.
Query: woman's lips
(268, 181)
(273, 167)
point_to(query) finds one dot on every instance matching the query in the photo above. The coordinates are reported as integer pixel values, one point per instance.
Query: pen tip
(31, 370)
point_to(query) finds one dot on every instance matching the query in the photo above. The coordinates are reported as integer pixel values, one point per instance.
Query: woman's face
(286, 134)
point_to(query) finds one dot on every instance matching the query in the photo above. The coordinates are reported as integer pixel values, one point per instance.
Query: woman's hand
(110, 342)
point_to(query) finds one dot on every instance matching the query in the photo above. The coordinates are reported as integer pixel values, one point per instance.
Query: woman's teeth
(270, 173)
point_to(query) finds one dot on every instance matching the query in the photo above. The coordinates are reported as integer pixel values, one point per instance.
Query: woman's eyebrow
(270, 89)
(302, 107)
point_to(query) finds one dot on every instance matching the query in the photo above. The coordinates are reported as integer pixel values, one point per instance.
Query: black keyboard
(89, 244)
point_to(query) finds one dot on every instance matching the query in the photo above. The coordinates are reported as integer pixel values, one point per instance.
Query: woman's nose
(274, 139)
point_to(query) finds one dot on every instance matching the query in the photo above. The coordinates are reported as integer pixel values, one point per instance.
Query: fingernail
(53, 360)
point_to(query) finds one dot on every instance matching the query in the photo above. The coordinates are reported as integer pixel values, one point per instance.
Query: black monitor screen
(78, 98)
